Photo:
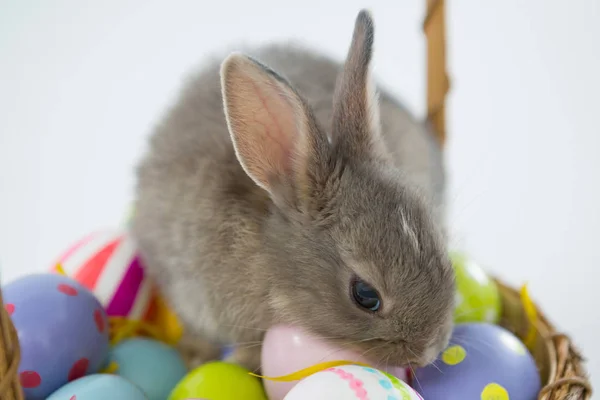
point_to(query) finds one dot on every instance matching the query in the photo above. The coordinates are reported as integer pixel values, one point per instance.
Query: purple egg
(482, 361)
(226, 351)
(63, 331)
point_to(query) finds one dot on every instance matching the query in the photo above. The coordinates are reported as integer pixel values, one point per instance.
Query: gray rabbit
(306, 200)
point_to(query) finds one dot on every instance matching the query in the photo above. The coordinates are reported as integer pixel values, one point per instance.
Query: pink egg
(108, 264)
(288, 349)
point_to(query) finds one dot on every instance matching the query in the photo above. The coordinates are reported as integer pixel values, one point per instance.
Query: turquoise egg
(153, 366)
(99, 387)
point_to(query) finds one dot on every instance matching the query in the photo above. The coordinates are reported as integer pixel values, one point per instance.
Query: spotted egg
(483, 361)
(477, 295)
(62, 330)
(351, 382)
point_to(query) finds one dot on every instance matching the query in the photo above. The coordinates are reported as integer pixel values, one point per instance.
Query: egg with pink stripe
(352, 382)
(108, 264)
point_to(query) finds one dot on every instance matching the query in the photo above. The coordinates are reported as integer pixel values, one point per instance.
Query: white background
(81, 84)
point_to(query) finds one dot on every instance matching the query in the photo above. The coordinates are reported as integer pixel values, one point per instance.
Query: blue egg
(152, 365)
(482, 361)
(99, 387)
(226, 352)
(62, 329)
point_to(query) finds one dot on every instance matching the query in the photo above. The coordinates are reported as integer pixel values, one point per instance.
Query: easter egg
(218, 380)
(351, 382)
(477, 296)
(99, 387)
(153, 366)
(483, 361)
(108, 264)
(288, 349)
(62, 329)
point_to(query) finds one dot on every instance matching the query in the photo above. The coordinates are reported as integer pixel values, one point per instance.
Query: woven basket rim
(566, 373)
(10, 357)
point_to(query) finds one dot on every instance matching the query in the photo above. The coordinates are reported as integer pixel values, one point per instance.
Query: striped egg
(108, 264)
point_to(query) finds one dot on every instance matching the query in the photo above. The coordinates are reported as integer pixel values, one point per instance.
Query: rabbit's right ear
(276, 138)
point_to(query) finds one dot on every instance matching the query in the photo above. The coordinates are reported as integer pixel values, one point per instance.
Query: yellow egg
(219, 380)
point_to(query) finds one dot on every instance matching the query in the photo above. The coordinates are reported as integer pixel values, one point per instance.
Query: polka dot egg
(62, 329)
(99, 387)
(477, 295)
(352, 382)
(483, 361)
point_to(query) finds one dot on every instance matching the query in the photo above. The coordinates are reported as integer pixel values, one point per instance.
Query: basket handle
(438, 83)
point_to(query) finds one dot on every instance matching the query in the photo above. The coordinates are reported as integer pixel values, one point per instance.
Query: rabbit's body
(206, 230)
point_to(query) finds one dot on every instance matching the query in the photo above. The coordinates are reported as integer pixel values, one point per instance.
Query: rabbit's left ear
(356, 125)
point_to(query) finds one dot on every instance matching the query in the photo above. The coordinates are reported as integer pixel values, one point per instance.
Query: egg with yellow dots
(477, 295)
(351, 382)
(483, 361)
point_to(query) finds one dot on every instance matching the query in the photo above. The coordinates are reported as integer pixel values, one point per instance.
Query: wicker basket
(560, 364)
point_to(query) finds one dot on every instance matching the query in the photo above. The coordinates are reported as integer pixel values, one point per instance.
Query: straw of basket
(560, 363)
(10, 356)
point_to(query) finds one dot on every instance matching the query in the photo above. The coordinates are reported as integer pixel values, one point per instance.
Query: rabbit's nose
(429, 356)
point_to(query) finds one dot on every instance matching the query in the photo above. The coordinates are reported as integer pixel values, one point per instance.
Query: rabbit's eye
(365, 295)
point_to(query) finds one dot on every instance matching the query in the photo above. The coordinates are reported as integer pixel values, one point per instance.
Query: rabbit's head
(353, 253)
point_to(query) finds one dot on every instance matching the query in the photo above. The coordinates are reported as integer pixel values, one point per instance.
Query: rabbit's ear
(275, 136)
(356, 125)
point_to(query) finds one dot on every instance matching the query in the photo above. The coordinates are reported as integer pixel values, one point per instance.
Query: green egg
(219, 380)
(477, 295)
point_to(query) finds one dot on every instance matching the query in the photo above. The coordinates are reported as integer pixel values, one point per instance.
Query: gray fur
(233, 260)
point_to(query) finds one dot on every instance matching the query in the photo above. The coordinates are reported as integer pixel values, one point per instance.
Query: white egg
(351, 382)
